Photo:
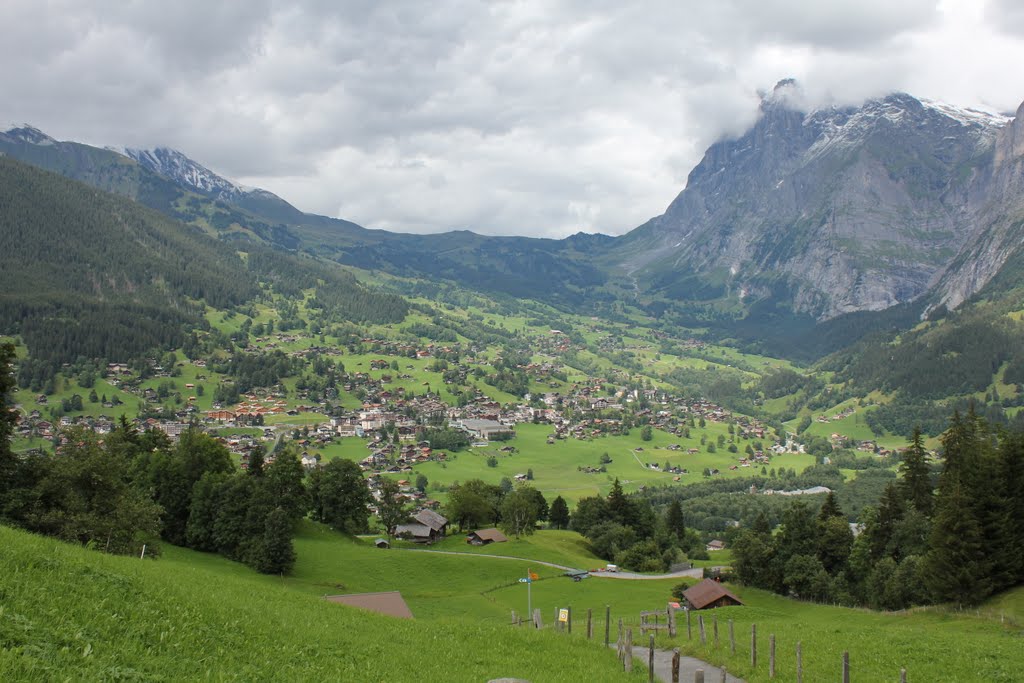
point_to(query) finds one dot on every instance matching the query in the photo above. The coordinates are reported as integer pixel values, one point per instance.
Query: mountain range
(897, 207)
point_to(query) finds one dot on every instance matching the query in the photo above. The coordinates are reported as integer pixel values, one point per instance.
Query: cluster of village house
(584, 411)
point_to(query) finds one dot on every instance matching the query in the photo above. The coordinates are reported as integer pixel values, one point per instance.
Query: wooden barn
(709, 594)
(485, 536)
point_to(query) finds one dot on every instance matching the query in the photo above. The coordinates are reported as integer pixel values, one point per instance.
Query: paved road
(687, 667)
(691, 573)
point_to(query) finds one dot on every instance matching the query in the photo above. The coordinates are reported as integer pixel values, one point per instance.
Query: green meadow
(556, 467)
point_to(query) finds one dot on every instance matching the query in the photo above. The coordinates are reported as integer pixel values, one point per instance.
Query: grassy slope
(72, 613)
(931, 644)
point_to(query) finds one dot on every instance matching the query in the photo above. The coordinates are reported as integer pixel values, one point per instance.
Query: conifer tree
(558, 516)
(955, 565)
(916, 484)
(1011, 454)
(674, 520)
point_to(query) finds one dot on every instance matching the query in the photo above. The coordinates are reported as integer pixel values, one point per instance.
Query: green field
(556, 467)
(74, 614)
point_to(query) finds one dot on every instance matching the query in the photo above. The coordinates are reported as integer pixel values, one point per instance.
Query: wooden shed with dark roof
(708, 594)
(485, 536)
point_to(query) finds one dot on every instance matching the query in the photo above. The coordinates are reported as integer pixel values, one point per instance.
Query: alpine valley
(204, 368)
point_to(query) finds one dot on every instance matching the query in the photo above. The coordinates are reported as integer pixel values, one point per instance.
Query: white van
(611, 568)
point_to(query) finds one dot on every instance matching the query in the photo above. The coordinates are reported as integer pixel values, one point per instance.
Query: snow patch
(968, 116)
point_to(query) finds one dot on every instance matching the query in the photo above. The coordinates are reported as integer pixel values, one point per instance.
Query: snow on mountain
(27, 133)
(173, 164)
(848, 127)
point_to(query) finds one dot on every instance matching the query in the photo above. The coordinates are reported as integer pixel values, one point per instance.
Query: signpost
(528, 580)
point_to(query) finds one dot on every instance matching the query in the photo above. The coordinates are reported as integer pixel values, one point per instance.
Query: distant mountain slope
(828, 212)
(164, 179)
(94, 274)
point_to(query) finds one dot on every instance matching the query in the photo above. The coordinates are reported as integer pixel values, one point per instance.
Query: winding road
(686, 573)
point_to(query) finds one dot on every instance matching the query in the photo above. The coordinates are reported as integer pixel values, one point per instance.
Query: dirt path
(690, 573)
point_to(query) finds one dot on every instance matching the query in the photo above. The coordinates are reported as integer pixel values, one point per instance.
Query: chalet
(715, 545)
(485, 537)
(709, 594)
(427, 527)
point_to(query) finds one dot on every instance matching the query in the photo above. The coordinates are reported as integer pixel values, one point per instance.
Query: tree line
(957, 537)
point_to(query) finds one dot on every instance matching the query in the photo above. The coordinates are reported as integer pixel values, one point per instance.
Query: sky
(540, 118)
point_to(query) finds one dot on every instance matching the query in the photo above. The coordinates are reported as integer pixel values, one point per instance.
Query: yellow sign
(563, 615)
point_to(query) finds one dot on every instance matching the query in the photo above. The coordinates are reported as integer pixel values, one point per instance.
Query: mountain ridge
(816, 213)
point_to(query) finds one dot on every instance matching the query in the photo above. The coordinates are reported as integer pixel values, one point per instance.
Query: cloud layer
(527, 117)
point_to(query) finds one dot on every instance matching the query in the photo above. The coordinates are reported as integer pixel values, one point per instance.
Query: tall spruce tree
(558, 517)
(955, 567)
(1011, 454)
(674, 521)
(916, 484)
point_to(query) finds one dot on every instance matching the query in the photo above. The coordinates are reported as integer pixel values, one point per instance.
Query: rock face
(996, 212)
(834, 210)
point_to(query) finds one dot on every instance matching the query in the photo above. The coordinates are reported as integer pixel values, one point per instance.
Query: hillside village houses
(582, 410)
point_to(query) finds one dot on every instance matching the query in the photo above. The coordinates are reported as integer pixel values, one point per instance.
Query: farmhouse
(708, 594)
(427, 527)
(485, 536)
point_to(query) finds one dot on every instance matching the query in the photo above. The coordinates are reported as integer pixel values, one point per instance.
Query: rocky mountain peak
(174, 165)
(827, 210)
(27, 133)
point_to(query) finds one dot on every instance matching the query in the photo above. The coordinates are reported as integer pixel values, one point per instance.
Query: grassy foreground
(72, 614)
(933, 644)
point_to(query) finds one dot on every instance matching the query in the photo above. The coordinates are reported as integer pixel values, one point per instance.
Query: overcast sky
(530, 118)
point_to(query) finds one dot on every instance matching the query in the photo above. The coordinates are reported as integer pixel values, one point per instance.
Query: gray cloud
(529, 117)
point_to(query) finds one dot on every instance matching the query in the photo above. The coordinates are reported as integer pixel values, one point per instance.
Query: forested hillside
(85, 273)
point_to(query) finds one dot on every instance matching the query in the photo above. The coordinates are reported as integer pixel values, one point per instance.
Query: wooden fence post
(753, 646)
(689, 628)
(732, 638)
(703, 636)
(537, 621)
(671, 621)
(607, 623)
(629, 650)
(698, 676)
(513, 617)
(771, 656)
(568, 622)
(714, 619)
(846, 667)
(725, 676)
(903, 676)
(650, 660)
(590, 624)
(675, 665)
(799, 662)
(556, 624)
